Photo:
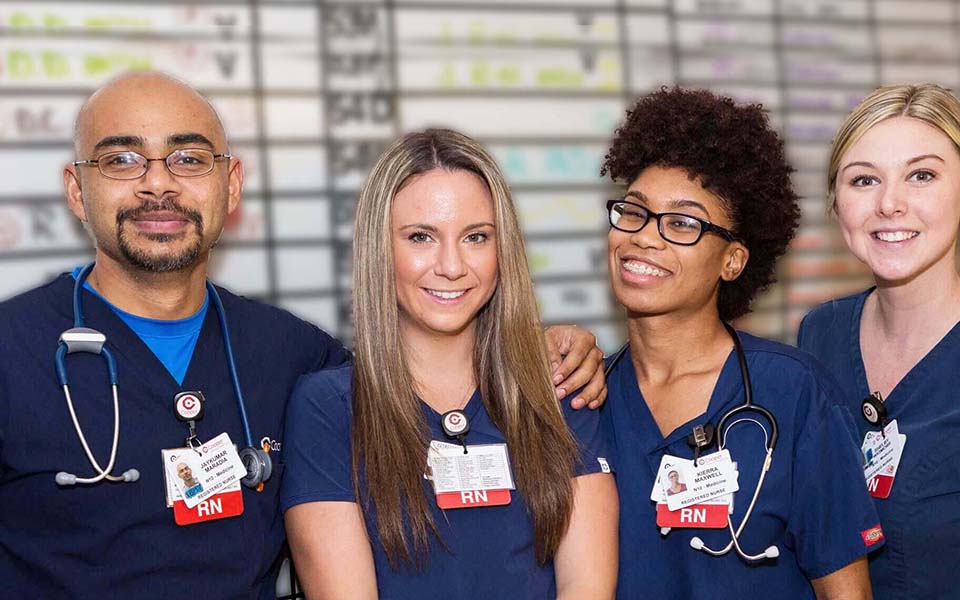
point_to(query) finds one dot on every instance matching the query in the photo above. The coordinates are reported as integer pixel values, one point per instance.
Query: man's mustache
(166, 204)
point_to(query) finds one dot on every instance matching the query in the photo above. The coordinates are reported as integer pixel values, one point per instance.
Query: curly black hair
(736, 155)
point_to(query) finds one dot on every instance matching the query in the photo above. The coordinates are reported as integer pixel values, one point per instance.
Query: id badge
(193, 488)
(479, 477)
(685, 483)
(709, 514)
(882, 453)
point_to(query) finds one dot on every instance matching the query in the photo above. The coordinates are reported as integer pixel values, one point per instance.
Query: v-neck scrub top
(489, 550)
(119, 540)
(812, 504)
(921, 518)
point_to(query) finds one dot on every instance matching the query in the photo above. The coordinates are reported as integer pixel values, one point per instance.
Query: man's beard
(165, 263)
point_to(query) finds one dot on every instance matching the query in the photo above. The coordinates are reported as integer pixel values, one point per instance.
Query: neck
(166, 296)
(441, 366)
(665, 347)
(904, 310)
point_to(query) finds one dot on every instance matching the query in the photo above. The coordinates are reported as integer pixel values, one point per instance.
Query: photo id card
(882, 453)
(213, 467)
(685, 484)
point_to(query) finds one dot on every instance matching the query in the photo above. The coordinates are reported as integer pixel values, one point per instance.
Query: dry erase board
(311, 91)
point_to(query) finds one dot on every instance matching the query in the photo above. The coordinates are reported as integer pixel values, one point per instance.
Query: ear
(234, 185)
(734, 261)
(74, 192)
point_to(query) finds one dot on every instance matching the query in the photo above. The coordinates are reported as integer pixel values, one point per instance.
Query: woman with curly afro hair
(708, 209)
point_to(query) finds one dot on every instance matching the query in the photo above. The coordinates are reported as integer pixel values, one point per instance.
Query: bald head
(130, 104)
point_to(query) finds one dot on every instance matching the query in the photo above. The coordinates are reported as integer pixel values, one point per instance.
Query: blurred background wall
(311, 91)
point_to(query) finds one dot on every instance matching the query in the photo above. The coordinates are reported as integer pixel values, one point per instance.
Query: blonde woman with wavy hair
(894, 184)
(516, 500)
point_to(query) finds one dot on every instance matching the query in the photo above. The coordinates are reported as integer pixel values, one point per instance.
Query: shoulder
(828, 316)
(267, 324)
(53, 295)
(779, 365)
(328, 391)
(335, 381)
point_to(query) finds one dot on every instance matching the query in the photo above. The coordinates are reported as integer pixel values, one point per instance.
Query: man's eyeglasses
(676, 228)
(188, 162)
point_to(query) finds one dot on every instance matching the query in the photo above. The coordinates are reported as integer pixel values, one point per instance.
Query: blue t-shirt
(171, 341)
(921, 518)
(813, 505)
(490, 549)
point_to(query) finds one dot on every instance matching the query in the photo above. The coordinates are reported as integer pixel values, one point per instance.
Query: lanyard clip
(701, 437)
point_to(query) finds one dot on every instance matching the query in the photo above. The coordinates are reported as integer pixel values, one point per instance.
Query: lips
(166, 216)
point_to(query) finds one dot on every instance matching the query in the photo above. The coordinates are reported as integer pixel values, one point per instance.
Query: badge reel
(456, 426)
(875, 411)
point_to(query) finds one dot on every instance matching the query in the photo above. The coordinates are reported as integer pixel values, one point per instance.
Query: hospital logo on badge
(870, 413)
(188, 406)
(454, 422)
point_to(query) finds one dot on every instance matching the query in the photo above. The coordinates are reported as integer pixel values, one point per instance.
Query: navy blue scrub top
(491, 552)
(119, 540)
(921, 518)
(812, 504)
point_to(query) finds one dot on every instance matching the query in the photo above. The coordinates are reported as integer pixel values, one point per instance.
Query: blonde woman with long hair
(440, 464)
(894, 184)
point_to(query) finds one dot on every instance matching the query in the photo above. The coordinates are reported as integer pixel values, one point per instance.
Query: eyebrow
(433, 229)
(870, 165)
(182, 139)
(176, 139)
(119, 140)
(671, 204)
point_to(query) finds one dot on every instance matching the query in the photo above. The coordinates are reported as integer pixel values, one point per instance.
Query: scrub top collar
(471, 409)
(726, 391)
(948, 346)
(139, 360)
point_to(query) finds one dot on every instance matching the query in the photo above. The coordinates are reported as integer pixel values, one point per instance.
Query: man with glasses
(153, 184)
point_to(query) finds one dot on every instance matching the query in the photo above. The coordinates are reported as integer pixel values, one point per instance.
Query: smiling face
(157, 222)
(651, 276)
(898, 199)
(444, 252)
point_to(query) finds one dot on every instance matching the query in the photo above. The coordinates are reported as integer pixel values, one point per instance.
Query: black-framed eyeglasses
(676, 228)
(126, 164)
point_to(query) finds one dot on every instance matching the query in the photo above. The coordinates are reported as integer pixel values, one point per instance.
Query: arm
(849, 583)
(577, 363)
(331, 551)
(586, 561)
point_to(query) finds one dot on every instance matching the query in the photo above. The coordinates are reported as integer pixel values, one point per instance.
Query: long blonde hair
(927, 102)
(389, 435)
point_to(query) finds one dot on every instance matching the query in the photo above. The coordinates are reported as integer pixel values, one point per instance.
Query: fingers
(594, 394)
(586, 374)
(555, 341)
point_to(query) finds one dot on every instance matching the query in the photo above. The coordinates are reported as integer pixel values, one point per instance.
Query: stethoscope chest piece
(258, 464)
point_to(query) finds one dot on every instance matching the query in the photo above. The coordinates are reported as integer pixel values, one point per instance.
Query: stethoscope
(84, 339)
(703, 436)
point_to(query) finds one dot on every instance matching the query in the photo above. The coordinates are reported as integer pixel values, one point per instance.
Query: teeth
(895, 236)
(446, 295)
(644, 269)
